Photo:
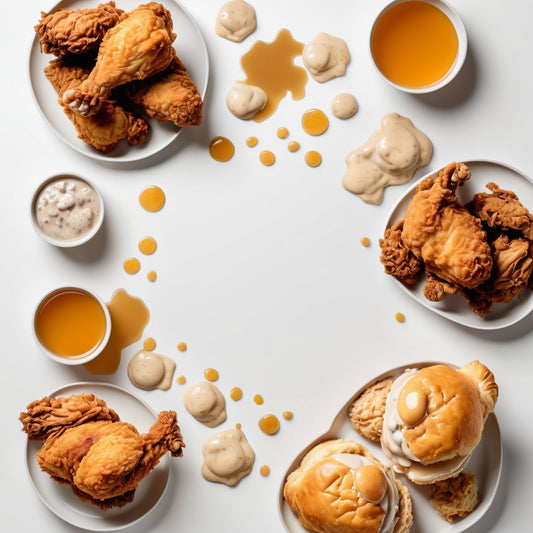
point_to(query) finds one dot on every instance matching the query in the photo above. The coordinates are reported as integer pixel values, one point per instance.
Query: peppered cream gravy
(235, 21)
(325, 57)
(205, 402)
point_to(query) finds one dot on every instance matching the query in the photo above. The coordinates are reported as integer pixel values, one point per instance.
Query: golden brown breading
(454, 498)
(137, 47)
(107, 127)
(76, 31)
(171, 96)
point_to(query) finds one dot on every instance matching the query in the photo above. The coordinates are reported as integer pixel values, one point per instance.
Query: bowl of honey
(71, 325)
(418, 46)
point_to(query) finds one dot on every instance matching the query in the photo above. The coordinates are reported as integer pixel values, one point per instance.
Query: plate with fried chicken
(118, 81)
(460, 242)
(98, 456)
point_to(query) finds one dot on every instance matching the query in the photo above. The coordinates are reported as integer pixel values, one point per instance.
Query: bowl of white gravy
(67, 210)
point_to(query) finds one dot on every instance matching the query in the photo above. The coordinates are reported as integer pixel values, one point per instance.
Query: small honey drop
(283, 133)
(258, 399)
(151, 276)
(313, 158)
(152, 198)
(235, 393)
(267, 158)
(293, 146)
(182, 346)
(147, 245)
(149, 344)
(287, 415)
(365, 241)
(131, 265)
(211, 374)
(400, 317)
(269, 424)
(264, 470)
(238, 425)
(252, 141)
(181, 380)
(221, 149)
(315, 122)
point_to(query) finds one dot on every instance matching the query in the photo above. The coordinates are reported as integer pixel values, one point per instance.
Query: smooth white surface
(260, 270)
(61, 500)
(455, 307)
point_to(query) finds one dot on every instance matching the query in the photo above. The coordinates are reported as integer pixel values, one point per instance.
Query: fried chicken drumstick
(102, 458)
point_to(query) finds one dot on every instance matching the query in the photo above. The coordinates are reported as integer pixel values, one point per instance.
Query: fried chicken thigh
(170, 96)
(442, 234)
(107, 127)
(102, 459)
(76, 31)
(136, 48)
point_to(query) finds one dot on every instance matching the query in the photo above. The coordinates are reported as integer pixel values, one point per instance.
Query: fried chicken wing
(76, 31)
(171, 96)
(442, 234)
(136, 48)
(103, 460)
(107, 127)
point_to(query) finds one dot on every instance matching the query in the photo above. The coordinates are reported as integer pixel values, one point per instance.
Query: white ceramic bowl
(67, 243)
(460, 30)
(74, 359)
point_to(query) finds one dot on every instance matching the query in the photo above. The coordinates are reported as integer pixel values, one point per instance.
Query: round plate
(191, 49)
(485, 463)
(61, 500)
(454, 307)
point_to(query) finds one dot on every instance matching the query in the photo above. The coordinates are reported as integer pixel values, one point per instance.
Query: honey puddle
(271, 67)
(129, 317)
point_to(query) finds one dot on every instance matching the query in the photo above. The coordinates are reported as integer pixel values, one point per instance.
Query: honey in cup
(72, 325)
(418, 45)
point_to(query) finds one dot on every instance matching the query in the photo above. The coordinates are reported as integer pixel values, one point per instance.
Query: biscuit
(455, 497)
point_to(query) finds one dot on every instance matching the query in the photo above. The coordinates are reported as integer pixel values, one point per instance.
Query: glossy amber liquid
(70, 323)
(152, 198)
(221, 149)
(414, 44)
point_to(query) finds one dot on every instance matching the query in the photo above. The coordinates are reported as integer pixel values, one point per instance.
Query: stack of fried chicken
(114, 68)
(481, 250)
(87, 446)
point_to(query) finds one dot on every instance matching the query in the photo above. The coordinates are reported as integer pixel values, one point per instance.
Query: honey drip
(258, 399)
(271, 67)
(182, 346)
(131, 265)
(235, 393)
(151, 276)
(269, 424)
(293, 146)
(287, 415)
(267, 158)
(149, 344)
(252, 141)
(264, 470)
(152, 198)
(221, 149)
(283, 133)
(147, 245)
(129, 317)
(365, 241)
(315, 122)
(181, 380)
(211, 374)
(313, 158)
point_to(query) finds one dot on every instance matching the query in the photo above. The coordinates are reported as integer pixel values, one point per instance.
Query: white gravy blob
(228, 457)
(390, 156)
(205, 402)
(325, 57)
(245, 101)
(148, 370)
(67, 209)
(344, 106)
(235, 21)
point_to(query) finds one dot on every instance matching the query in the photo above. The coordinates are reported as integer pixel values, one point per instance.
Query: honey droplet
(252, 141)
(365, 241)
(264, 470)
(211, 374)
(283, 133)
(400, 317)
(287, 415)
(269, 424)
(313, 158)
(293, 146)
(371, 483)
(315, 122)
(235, 393)
(238, 425)
(258, 399)
(149, 344)
(152, 198)
(221, 149)
(181, 380)
(267, 158)
(147, 245)
(131, 265)
(182, 346)
(151, 276)
(271, 67)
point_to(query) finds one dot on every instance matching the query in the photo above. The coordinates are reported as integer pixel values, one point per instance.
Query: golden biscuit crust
(454, 498)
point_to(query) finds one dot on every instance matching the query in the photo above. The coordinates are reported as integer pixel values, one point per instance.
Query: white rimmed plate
(191, 49)
(485, 463)
(61, 500)
(454, 307)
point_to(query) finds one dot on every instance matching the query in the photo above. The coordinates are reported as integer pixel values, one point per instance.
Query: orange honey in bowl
(414, 44)
(70, 322)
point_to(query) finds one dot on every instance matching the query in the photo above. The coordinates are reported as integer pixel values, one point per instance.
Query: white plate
(454, 307)
(485, 463)
(191, 49)
(61, 500)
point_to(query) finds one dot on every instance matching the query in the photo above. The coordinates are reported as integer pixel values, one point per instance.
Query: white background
(260, 270)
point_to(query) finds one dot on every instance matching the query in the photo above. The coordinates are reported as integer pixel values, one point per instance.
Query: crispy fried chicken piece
(171, 96)
(442, 234)
(502, 210)
(397, 259)
(137, 47)
(76, 31)
(103, 460)
(111, 124)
